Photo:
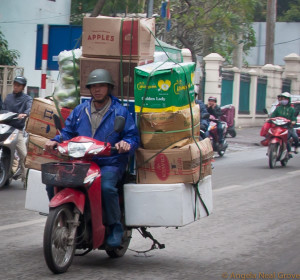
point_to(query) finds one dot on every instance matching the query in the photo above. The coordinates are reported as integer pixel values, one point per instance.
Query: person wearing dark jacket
(96, 119)
(215, 110)
(203, 121)
(19, 102)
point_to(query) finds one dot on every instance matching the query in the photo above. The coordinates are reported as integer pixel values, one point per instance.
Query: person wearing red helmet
(215, 110)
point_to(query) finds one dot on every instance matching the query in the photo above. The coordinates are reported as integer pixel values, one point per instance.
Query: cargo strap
(155, 244)
(197, 194)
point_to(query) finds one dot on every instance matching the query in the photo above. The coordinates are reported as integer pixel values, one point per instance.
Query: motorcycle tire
(232, 132)
(120, 251)
(58, 249)
(273, 148)
(3, 175)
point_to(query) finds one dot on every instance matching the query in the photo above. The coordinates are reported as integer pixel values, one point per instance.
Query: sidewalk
(246, 136)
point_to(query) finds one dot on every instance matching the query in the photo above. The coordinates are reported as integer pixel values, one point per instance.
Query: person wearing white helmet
(287, 111)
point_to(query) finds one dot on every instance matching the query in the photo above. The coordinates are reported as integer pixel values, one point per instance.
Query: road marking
(23, 224)
(266, 182)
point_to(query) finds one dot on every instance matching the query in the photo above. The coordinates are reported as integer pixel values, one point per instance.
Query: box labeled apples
(114, 37)
(163, 87)
(36, 154)
(160, 130)
(122, 73)
(187, 164)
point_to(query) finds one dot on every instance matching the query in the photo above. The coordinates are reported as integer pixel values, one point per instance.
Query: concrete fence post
(253, 94)
(213, 78)
(236, 92)
(292, 71)
(274, 83)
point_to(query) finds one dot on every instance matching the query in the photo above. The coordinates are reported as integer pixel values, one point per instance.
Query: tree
(211, 26)
(289, 10)
(7, 57)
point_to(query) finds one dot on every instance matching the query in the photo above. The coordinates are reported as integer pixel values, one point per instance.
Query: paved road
(254, 229)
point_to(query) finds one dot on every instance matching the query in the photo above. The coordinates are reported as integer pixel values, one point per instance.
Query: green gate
(286, 85)
(244, 94)
(261, 95)
(227, 87)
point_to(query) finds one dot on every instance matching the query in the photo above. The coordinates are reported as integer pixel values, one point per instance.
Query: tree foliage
(7, 57)
(211, 26)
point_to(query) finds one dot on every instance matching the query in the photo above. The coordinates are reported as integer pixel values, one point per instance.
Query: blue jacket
(202, 111)
(79, 124)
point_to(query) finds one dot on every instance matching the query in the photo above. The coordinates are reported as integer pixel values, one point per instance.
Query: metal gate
(244, 94)
(227, 87)
(286, 85)
(261, 95)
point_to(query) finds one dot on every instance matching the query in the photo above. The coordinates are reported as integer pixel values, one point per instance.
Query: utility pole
(150, 8)
(270, 31)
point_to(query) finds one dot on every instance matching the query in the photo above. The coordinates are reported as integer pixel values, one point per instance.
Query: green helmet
(99, 76)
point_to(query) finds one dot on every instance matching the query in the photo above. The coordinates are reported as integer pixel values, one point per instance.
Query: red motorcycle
(75, 217)
(213, 134)
(276, 132)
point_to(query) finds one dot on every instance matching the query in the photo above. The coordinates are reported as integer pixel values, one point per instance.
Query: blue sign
(61, 38)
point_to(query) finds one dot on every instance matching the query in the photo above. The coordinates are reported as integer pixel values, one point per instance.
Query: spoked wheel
(273, 148)
(59, 244)
(120, 251)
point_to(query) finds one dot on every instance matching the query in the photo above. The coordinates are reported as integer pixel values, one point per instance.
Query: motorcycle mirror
(57, 122)
(119, 124)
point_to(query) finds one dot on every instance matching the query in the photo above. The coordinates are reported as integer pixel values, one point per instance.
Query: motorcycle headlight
(11, 138)
(78, 150)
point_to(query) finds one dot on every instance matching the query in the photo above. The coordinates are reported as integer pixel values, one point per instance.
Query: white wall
(18, 23)
(287, 41)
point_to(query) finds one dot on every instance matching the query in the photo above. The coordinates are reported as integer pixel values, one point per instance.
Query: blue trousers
(110, 197)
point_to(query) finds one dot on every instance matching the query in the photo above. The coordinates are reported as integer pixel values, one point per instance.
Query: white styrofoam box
(167, 205)
(36, 194)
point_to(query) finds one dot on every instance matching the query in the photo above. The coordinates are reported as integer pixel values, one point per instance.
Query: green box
(163, 87)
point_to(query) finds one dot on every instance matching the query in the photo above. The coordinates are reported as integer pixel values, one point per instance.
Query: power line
(281, 43)
(26, 20)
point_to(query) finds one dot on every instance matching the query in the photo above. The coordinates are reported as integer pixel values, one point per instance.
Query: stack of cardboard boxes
(168, 119)
(117, 45)
(41, 127)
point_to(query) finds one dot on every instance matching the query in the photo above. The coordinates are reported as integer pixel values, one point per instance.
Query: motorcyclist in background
(203, 121)
(215, 110)
(19, 102)
(287, 111)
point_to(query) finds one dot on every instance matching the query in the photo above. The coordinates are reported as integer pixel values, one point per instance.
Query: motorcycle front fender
(69, 195)
(275, 140)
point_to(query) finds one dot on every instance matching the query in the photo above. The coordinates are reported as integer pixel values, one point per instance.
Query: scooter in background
(228, 114)
(8, 142)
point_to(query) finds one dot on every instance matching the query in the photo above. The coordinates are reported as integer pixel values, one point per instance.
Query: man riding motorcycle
(215, 110)
(287, 111)
(96, 119)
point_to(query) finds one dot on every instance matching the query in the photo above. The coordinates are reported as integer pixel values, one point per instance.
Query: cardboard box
(166, 205)
(164, 87)
(113, 36)
(36, 194)
(120, 71)
(36, 154)
(160, 130)
(40, 121)
(178, 165)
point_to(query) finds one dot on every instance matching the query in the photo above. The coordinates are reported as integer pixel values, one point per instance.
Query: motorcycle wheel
(58, 248)
(3, 175)
(273, 148)
(120, 251)
(232, 132)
